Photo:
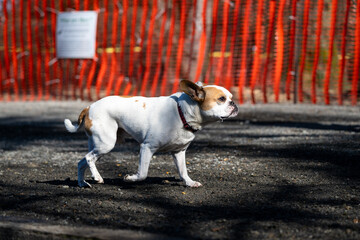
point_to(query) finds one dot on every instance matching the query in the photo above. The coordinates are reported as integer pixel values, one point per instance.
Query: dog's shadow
(67, 182)
(148, 181)
(119, 182)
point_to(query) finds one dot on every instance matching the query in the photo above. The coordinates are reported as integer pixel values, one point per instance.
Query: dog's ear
(196, 92)
(201, 84)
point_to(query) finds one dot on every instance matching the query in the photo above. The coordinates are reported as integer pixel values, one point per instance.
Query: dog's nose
(233, 105)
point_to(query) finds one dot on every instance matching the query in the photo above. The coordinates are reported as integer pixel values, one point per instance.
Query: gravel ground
(275, 172)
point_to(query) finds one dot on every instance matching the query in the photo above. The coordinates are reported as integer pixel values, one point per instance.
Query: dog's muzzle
(234, 110)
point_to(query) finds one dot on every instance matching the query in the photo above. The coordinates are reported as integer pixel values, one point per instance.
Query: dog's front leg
(179, 159)
(146, 154)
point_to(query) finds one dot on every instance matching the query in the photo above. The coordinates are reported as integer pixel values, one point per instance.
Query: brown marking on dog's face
(136, 100)
(213, 96)
(144, 105)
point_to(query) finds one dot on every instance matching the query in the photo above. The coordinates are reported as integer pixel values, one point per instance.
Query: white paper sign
(76, 34)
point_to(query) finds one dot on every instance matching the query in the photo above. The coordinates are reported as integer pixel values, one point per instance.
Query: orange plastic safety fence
(243, 68)
(261, 50)
(14, 55)
(257, 50)
(279, 50)
(229, 69)
(270, 36)
(317, 50)
(148, 49)
(343, 53)
(158, 61)
(303, 50)
(291, 71)
(331, 51)
(214, 17)
(220, 65)
(355, 76)
(202, 44)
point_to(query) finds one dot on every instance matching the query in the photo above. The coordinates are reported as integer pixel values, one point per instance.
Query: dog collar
(186, 125)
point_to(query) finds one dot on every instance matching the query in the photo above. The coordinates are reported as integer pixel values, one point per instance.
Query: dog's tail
(74, 128)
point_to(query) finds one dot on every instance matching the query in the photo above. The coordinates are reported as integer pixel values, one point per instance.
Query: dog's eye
(222, 99)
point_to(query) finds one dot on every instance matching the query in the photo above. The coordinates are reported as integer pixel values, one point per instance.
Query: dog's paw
(98, 180)
(193, 184)
(84, 184)
(130, 178)
(134, 178)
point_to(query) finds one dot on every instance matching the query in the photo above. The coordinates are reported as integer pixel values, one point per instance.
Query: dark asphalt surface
(275, 172)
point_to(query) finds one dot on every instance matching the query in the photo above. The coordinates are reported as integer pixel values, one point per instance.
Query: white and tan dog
(158, 124)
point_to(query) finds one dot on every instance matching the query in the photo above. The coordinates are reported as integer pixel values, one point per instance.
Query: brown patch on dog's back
(144, 105)
(212, 94)
(88, 124)
(84, 117)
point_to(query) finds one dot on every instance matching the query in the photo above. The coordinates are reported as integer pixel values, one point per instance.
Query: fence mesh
(262, 50)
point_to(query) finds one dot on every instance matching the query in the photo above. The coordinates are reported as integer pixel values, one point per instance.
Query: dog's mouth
(233, 113)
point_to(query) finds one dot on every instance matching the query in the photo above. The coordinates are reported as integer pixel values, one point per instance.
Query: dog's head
(215, 102)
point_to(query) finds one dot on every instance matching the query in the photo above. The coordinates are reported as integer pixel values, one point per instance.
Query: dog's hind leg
(88, 161)
(82, 166)
(91, 159)
(101, 141)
